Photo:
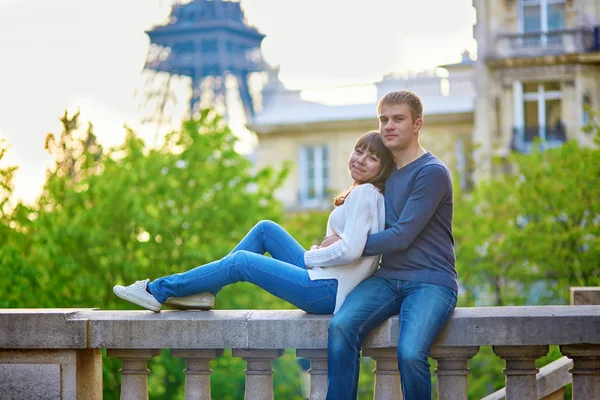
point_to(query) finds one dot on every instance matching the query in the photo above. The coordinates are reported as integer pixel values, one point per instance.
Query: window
(539, 21)
(587, 106)
(313, 168)
(538, 109)
(463, 148)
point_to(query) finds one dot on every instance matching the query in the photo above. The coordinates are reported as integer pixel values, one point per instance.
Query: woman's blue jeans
(423, 310)
(283, 274)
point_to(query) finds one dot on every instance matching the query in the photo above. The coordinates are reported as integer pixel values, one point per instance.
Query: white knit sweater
(362, 213)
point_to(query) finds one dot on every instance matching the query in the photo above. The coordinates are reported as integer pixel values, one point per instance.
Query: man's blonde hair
(407, 97)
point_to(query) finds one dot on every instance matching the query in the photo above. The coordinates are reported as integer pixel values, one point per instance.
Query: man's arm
(431, 186)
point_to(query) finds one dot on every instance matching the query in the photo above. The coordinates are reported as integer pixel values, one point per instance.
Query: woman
(316, 281)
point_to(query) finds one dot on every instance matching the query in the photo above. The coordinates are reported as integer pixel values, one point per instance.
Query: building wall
(440, 136)
(504, 61)
(282, 145)
(488, 120)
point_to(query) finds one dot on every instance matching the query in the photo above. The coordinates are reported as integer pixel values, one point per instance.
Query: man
(417, 274)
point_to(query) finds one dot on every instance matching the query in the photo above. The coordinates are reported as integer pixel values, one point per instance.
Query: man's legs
(369, 304)
(424, 311)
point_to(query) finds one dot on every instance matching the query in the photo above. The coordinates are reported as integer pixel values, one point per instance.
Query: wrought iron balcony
(525, 138)
(556, 42)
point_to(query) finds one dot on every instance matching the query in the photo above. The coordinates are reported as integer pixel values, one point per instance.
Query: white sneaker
(136, 293)
(200, 301)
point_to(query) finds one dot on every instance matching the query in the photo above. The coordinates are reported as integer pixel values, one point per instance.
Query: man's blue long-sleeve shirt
(417, 244)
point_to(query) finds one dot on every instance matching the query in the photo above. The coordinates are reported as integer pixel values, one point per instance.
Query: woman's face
(363, 165)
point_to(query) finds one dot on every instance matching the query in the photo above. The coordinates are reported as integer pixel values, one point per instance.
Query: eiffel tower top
(200, 16)
(207, 38)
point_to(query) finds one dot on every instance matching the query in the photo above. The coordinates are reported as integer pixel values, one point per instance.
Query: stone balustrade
(562, 41)
(71, 339)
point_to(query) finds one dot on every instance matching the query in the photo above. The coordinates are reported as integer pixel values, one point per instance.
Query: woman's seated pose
(316, 281)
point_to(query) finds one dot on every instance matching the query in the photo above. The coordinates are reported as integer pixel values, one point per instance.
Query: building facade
(536, 81)
(537, 74)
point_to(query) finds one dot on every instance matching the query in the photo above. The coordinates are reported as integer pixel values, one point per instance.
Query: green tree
(527, 236)
(131, 212)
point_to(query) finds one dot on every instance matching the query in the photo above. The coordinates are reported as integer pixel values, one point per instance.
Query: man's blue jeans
(423, 310)
(283, 274)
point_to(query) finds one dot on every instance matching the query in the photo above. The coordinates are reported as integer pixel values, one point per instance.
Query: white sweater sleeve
(360, 208)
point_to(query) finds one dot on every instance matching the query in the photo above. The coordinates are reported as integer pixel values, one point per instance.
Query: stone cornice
(279, 329)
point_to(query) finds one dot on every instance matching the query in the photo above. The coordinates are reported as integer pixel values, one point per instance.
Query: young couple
(400, 207)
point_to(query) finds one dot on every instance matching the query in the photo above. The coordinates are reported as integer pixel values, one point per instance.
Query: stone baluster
(134, 374)
(387, 377)
(520, 370)
(259, 374)
(585, 371)
(197, 371)
(452, 371)
(317, 372)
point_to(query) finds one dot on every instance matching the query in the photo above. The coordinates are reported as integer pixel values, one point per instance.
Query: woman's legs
(269, 237)
(264, 237)
(284, 280)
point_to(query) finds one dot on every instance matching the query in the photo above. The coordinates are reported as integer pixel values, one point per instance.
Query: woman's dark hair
(371, 142)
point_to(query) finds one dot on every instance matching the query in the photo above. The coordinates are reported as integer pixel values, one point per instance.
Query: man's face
(397, 128)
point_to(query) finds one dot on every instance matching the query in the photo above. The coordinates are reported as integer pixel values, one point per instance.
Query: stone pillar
(452, 371)
(585, 371)
(134, 374)
(387, 377)
(317, 371)
(585, 296)
(197, 371)
(520, 370)
(89, 374)
(259, 375)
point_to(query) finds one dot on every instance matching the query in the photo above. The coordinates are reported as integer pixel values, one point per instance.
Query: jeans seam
(360, 328)
(283, 276)
(275, 239)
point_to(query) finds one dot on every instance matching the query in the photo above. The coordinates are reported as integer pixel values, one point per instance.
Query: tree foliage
(117, 215)
(525, 237)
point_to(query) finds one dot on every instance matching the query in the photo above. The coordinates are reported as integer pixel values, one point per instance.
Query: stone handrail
(519, 335)
(554, 377)
(551, 381)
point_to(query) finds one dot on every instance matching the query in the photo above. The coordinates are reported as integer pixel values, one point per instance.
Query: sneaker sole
(181, 304)
(123, 295)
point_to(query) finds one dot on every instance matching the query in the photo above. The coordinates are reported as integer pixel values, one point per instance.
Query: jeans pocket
(321, 299)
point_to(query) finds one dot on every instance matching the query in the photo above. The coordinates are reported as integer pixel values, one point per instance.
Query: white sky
(57, 54)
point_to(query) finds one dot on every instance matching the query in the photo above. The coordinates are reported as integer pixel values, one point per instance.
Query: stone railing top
(278, 329)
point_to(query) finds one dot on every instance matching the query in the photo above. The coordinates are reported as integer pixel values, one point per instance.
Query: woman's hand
(329, 240)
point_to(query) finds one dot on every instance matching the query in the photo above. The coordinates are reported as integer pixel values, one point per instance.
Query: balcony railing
(563, 41)
(524, 138)
(60, 348)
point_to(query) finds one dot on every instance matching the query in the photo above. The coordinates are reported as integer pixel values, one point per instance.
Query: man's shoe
(136, 293)
(200, 301)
